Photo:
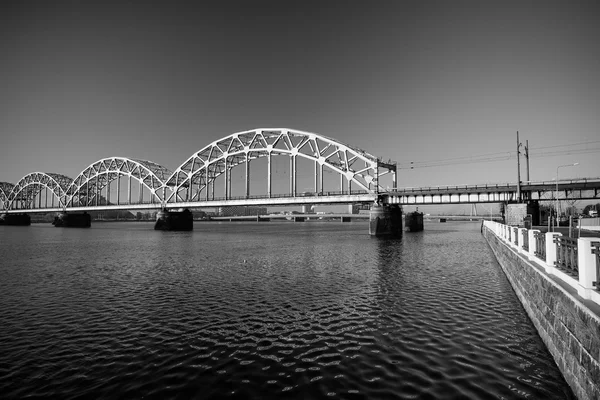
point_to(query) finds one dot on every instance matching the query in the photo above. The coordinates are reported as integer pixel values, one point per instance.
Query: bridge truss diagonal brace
(5, 190)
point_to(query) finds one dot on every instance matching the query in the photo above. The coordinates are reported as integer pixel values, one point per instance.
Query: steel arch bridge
(195, 179)
(92, 185)
(31, 190)
(107, 183)
(355, 177)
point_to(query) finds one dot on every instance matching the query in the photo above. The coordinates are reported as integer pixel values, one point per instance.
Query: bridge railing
(581, 182)
(454, 188)
(574, 261)
(277, 196)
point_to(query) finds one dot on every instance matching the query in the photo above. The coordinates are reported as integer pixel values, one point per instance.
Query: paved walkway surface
(565, 231)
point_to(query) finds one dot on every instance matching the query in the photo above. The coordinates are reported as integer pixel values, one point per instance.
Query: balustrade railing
(540, 245)
(566, 255)
(577, 259)
(596, 251)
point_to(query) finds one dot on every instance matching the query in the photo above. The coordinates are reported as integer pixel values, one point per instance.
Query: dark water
(263, 310)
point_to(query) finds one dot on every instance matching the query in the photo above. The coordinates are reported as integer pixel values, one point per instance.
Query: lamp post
(556, 193)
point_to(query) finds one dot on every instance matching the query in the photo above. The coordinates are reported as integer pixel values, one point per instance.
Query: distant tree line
(586, 209)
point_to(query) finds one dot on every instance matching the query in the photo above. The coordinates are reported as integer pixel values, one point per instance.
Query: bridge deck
(458, 194)
(579, 189)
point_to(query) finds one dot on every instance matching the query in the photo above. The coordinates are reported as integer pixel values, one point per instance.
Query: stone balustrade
(555, 280)
(579, 269)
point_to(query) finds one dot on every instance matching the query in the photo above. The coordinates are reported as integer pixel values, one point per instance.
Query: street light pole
(518, 169)
(556, 193)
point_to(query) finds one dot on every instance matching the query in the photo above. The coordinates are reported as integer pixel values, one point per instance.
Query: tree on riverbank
(586, 209)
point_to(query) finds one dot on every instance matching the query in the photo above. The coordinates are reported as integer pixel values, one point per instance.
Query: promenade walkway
(565, 231)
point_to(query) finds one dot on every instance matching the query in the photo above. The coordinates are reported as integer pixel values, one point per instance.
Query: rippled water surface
(263, 310)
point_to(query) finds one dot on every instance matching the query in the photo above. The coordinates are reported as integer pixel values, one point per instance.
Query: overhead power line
(566, 145)
(566, 152)
(506, 155)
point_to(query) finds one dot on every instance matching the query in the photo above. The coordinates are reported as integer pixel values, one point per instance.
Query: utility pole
(527, 157)
(518, 169)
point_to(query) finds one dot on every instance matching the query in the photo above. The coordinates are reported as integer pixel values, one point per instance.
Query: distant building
(198, 214)
(307, 208)
(357, 208)
(240, 211)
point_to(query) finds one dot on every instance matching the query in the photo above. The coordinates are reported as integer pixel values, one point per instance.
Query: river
(263, 310)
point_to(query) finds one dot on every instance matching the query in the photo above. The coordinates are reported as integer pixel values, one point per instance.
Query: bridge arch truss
(195, 179)
(39, 190)
(92, 187)
(5, 189)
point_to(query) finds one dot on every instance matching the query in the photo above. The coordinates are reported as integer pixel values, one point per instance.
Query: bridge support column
(15, 219)
(516, 213)
(385, 220)
(413, 222)
(73, 220)
(174, 220)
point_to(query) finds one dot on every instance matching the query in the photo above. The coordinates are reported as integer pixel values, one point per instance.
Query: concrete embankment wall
(570, 329)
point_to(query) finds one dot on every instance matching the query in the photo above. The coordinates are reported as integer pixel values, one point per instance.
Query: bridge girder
(87, 188)
(568, 190)
(218, 158)
(31, 185)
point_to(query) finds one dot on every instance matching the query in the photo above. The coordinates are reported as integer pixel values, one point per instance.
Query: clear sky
(409, 81)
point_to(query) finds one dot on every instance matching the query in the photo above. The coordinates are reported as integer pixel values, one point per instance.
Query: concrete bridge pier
(73, 220)
(15, 219)
(413, 222)
(516, 213)
(385, 220)
(174, 220)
